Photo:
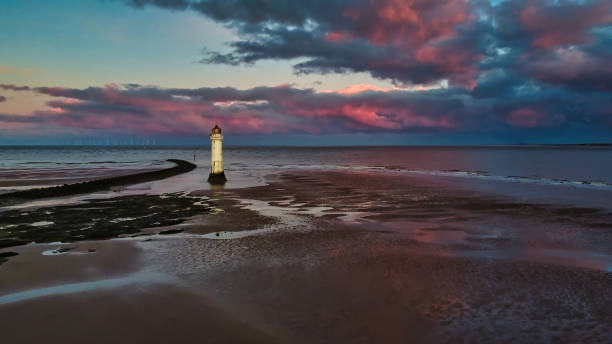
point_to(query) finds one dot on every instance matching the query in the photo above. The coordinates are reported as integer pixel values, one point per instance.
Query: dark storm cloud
(415, 41)
(562, 43)
(418, 41)
(546, 24)
(572, 67)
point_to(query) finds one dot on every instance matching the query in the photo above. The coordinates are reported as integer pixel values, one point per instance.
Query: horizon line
(311, 146)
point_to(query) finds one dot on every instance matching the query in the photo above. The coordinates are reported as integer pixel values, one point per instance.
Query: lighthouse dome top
(216, 130)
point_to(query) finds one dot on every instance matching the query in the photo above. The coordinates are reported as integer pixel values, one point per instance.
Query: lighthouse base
(217, 178)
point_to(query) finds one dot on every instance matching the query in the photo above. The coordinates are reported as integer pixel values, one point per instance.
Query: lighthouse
(217, 176)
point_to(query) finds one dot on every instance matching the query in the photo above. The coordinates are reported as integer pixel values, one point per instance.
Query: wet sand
(84, 261)
(148, 313)
(331, 257)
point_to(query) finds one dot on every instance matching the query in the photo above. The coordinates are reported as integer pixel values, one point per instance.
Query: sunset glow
(517, 71)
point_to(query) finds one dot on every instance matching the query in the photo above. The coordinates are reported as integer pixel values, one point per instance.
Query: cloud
(572, 67)
(458, 66)
(529, 118)
(358, 88)
(410, 41)
(553, 24)
(9, 87)
(286, 110)
(281, 109)
(561, 43)
(404, 41)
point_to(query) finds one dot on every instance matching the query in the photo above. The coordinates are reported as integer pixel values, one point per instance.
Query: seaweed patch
(97, 218)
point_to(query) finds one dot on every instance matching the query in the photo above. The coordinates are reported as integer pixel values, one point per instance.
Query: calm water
(570, 174)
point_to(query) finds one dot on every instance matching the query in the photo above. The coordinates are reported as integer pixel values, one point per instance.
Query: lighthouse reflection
(217, 187)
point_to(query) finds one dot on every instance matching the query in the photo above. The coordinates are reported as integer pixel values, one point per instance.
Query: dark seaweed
(97, 218)
(5, 255)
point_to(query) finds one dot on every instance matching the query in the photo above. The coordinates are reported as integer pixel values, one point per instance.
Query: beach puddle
(234, 235)
(460, 242)
(291, 213)
(286, 215)
(142, 277)
(41, 223)
(438, 236)
(422, 232)
(574, 258)
(65, 250)
(353, 217)
(316, 211)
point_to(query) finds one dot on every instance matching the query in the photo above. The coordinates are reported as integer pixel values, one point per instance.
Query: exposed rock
(170, 231)
(100, 185)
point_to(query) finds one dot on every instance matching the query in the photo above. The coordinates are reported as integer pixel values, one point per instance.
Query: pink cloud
(269, 110)
(15, 126)
(359, 88)
(338, 36)
(409, 22)
(529, 118)
(553, 26)
(422, 30)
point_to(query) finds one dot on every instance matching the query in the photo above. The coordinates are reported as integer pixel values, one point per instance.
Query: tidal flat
(321, 256)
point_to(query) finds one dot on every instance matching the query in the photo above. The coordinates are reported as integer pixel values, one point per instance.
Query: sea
(573, 175)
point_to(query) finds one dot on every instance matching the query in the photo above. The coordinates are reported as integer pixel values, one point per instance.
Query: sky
(317, 72)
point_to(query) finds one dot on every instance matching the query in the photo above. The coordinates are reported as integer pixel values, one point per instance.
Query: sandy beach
(319, 257)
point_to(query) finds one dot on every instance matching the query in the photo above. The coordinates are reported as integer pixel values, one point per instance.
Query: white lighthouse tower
(217, 176)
